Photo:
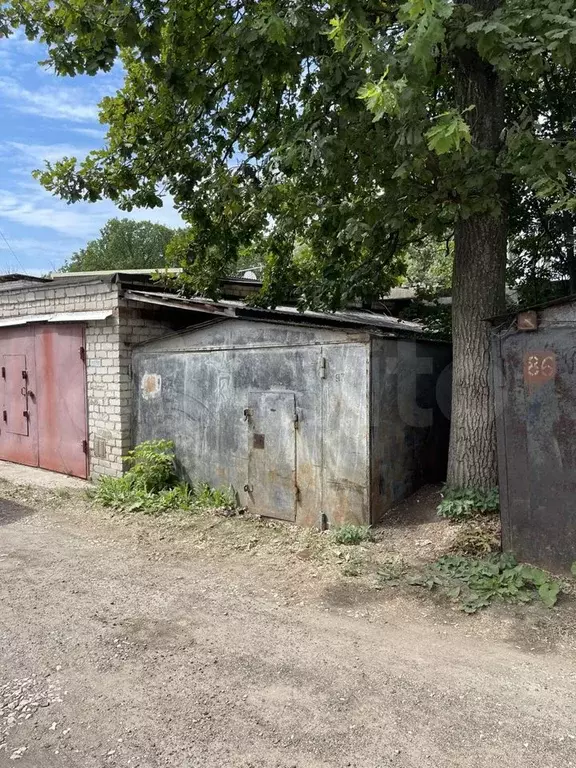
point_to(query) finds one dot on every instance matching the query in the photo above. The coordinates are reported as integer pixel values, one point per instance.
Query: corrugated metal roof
(231, 308)
(571, 299)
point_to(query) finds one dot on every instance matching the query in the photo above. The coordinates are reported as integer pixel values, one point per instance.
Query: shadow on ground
(11, 511)
(417, 509)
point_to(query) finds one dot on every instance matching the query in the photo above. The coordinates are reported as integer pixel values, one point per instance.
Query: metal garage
(312, 418)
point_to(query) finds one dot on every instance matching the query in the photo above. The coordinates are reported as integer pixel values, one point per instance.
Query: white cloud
(38, 153)
(49, 102)
(93, 133)
(35, 213)
(37, 209)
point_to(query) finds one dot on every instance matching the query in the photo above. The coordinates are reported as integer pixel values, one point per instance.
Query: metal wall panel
(534, 374)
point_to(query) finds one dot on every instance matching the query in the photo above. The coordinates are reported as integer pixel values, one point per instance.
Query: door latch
(248, 488)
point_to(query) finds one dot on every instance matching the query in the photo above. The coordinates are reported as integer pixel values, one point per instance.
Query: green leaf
(573, 568)
(448, 133)
(381, 98)
(337, 33)
(276, 29)
(536, 575)
(549, 593)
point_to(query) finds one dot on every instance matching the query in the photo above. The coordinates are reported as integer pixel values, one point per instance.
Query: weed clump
(477, 582)
(464, 503)
(151, 485)
(351, 534)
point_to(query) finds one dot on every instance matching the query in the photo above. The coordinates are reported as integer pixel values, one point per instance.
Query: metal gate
(43, 390)
(271, 487)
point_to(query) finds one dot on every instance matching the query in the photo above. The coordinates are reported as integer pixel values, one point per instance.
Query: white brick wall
(108, 357)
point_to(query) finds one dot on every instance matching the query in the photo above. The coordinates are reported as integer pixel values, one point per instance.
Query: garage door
(43, 392)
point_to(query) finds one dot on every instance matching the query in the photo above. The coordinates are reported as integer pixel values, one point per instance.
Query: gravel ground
(134, 643)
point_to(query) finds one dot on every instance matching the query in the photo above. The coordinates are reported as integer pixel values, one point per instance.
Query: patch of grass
(478, 537)
(214, 498)
(151, 485)
(477, 582)
(464, 503)
(351, 534)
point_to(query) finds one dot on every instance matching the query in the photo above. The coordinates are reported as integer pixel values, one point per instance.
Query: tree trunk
(478, 286)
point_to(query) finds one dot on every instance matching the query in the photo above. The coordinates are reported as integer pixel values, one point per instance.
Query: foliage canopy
(334, 124)
(124, 244)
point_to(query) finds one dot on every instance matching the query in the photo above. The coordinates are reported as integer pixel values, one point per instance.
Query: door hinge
(3, 372)
(298, 495)
(26, 414)
(322, 367)
(5, 415)
(25, 375)
(296, 421)
(85, 446)
(83, 354)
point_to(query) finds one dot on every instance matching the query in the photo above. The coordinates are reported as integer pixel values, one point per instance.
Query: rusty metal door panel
(271, 425)
(18, 425)
(15, 414)
(61, 399)
(537, 450)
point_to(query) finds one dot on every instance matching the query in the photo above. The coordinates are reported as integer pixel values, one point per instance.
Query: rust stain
(151, 385)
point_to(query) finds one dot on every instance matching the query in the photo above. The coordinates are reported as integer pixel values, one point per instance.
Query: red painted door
(18, 425)
(61, 400)
(43, 390)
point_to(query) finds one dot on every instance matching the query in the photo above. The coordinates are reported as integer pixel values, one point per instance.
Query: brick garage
(88, 316)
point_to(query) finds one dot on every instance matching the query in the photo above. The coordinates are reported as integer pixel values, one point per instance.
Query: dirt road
(118, 648)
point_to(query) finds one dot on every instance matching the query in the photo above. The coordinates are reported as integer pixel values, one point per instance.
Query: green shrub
(463, 503)
(351, 534)
(477, 582)
(151, 465)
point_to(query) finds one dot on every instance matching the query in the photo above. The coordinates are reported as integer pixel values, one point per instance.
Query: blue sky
(44, 117)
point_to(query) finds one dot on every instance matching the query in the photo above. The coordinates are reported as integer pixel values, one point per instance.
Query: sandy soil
(233, 643)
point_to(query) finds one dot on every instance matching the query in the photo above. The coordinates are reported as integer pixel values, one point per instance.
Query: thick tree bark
(477, 286)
